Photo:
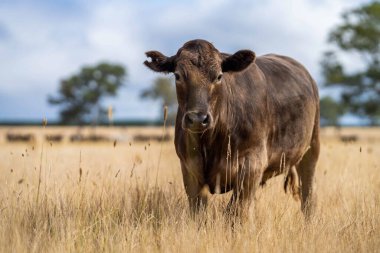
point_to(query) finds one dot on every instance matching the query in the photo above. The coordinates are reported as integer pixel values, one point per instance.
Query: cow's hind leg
(306, 171)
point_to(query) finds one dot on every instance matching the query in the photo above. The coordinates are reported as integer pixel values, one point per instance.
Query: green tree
(163, 90)
(358, 34)
(330, 111)
(80, 96)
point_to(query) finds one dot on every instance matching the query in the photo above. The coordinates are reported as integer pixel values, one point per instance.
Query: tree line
(357, 92)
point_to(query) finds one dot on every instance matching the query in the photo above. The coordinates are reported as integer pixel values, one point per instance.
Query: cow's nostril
(188, 119)
(206, 120)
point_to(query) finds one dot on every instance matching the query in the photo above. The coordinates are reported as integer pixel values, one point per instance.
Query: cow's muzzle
(196, 121)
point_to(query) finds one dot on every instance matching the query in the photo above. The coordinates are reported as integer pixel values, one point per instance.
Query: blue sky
(42, 42)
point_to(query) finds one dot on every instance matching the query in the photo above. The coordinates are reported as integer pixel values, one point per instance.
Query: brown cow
(242, 120)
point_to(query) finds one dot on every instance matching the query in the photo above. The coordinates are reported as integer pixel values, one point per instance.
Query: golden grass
(104, 198)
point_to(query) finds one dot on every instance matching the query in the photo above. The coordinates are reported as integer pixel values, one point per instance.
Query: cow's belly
(281, 159)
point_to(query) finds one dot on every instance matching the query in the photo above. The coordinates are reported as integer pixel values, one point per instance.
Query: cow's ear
(238, 61)
(159, 62)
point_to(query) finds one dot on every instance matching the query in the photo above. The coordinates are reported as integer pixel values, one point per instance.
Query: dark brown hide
(262, 120)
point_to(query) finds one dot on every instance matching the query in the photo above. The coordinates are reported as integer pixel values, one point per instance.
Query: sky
(42, 42)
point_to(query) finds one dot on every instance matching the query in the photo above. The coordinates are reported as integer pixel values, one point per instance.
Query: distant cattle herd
(75, 138)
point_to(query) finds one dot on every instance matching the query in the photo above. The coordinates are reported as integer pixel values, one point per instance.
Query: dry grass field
(127, 196)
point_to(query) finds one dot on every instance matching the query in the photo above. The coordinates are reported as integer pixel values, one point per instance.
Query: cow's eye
(219, 78)
(177, 76)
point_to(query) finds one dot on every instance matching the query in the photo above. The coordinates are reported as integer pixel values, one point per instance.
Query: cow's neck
(231, 121)
(215, 141)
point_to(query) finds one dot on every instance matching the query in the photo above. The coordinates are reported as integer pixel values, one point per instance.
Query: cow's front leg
(247, 180)
(193, 180)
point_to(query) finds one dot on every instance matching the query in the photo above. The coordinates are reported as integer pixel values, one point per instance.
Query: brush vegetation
(129, 197)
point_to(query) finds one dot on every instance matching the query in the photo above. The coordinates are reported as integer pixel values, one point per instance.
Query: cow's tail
(292, 183)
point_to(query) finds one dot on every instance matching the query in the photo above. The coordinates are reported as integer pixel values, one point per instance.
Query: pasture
(58, 195)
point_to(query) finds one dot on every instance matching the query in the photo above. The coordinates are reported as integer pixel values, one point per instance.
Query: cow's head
(198, 68)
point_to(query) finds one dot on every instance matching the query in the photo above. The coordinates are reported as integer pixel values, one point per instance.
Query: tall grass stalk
(44, 123)
(162, 140)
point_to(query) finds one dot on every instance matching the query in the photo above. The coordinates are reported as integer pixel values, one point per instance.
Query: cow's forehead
(204, 60)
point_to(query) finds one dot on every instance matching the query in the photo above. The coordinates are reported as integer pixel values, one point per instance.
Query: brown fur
(263, 121)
